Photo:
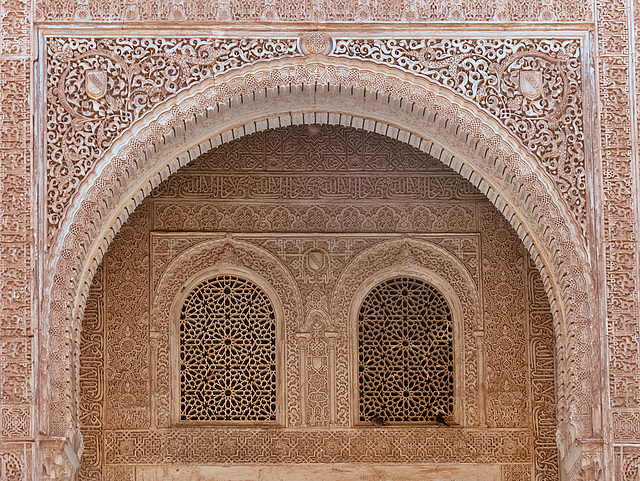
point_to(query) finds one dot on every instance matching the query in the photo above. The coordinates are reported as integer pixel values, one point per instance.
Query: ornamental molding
(361, 12)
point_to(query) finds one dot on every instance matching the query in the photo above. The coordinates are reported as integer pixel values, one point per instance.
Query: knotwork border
(299, 90)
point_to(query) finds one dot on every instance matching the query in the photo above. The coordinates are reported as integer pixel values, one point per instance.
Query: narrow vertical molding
(332, 337)
(303, 337)
(482, 385)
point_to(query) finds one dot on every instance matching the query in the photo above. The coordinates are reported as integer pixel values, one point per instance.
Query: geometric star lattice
(405, 353)
(227, 353)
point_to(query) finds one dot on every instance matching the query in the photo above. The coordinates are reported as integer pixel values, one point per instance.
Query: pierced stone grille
(227, 353)
(405, 353)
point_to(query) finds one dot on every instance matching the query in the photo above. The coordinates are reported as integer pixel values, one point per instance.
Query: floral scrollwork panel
(533, 87)
(98, 87)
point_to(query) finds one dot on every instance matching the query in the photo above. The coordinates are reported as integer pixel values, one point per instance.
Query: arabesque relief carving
(137, 73)
(508, 162)
(614, 26)
(316, 275)
(617, 57)
(533, 87)
(249, 11)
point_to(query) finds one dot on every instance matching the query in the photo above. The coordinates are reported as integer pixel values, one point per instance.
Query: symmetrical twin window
(227, 353)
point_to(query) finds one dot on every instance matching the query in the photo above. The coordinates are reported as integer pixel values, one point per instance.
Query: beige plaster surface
(334, 472)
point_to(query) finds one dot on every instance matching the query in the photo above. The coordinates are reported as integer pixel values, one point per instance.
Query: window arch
(405, 353)
(227, 353)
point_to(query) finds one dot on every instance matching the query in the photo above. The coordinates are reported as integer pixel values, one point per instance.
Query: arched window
(405, 353)
(227, 353)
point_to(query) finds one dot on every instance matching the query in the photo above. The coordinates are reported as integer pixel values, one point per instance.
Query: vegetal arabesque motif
(84, 118)
(98, 87)
(533, 87)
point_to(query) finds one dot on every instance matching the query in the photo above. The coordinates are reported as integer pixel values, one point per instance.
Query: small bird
(377, 421)
(440, 419)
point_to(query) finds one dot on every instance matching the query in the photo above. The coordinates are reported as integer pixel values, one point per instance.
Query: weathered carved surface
(541, 355)
(627, 462)
(614, 59)
(127, 334)
(16, 462)
(620, 155)
(138, 73)
(616, 51)
(316, 271)
(92, 376)
(314, 11)
(504, 293)
(18, 296)
(392, 445)
(532, 190)
(17, 357)
(533, 87)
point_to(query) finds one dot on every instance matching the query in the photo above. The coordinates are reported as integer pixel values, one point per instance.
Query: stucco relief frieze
(617, 47)
(313, 11)
(197, 216)
(96, 88)
(268, 446)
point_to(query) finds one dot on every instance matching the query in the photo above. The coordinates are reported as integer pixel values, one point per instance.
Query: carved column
(482, 387)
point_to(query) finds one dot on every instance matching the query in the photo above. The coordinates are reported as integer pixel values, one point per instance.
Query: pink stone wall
(611, 67)
(18, 325)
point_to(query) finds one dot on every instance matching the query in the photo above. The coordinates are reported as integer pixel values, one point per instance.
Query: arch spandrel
(344, 92)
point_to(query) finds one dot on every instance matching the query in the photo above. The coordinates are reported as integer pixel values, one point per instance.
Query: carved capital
(58, 459)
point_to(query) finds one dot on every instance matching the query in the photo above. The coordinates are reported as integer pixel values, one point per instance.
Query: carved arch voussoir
(379, 99)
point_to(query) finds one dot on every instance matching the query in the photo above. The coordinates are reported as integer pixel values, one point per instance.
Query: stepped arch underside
(314, 89)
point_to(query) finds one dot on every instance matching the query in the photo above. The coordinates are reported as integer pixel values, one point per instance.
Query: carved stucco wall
(613, 239)
(440, 117)
(315, 211)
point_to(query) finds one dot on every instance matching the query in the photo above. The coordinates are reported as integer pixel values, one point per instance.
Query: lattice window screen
(405, 353)
(227, 353)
